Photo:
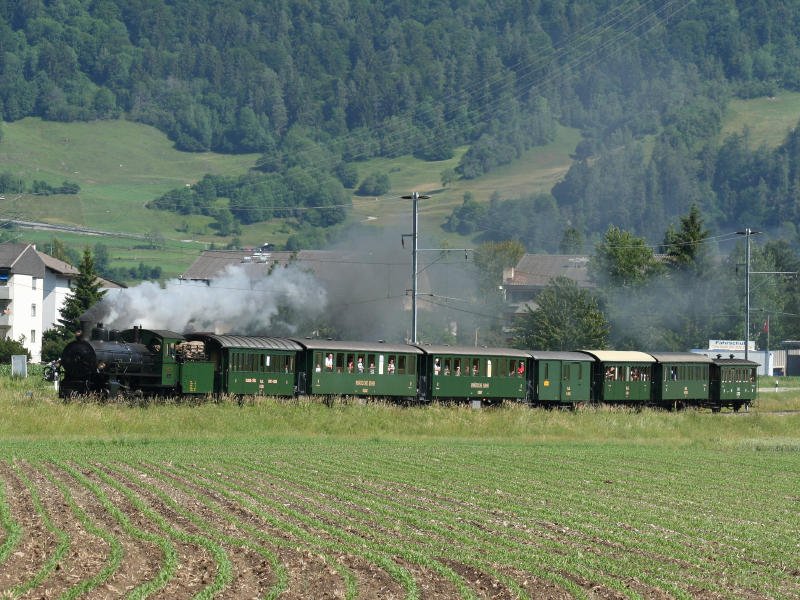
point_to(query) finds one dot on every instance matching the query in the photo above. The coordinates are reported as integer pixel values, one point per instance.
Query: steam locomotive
(149, 362)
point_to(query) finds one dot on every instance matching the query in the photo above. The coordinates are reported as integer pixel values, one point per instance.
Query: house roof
(212, 263)
(537, 270)
(27, 260)
(347, 271)
(59, 266)
(10, 253)
(21, 258)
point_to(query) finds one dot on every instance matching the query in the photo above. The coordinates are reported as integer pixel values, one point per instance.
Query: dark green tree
(85, 294)
(9, 348)
(374, 184)
(685, 248)
(571, 242)
(567, 317)
(622, 260)
(491, 258)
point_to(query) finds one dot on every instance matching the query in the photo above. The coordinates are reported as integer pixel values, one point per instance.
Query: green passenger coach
(733, 383)
(561, 378)
(248, 365)
(339, 368)
(466, 372)
(622, 377)
(681, 379)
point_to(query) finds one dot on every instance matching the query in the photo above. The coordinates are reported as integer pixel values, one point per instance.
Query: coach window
(476, 367)
(565, 372)
(339, 362)
(457, 366)
(502, 367)
(446, 368)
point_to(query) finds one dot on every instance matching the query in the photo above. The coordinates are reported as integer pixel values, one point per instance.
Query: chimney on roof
(508, 274)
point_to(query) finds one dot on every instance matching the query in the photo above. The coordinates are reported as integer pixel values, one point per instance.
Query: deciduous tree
(567, 317)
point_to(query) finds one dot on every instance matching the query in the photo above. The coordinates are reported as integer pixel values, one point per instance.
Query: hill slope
(121, 165)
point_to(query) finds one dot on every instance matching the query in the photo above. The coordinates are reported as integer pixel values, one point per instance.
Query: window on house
(33, 336)
(33, 310)
(33, 283)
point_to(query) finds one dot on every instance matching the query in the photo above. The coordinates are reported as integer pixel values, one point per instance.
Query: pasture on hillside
(295, 499)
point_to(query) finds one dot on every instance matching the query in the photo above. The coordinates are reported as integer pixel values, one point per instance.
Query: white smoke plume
(233, 303)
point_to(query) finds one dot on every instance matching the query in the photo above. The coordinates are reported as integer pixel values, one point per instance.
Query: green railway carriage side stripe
(115, 556)
(63, 539)
(225, 569)
(170, 554)
(11, 527)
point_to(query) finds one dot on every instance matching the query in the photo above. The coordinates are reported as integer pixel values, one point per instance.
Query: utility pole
(747, 233)
(415, 198)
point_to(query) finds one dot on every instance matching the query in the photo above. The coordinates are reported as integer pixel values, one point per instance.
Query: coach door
(548, 381)
(575, 381)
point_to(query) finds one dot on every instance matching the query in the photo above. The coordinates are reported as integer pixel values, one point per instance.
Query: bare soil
(278, 538)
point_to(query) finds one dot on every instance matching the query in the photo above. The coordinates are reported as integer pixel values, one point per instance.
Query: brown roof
(537, 270)
(211, 263)
(59, 266)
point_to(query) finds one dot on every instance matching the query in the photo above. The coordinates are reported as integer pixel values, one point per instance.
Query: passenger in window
(474, 370)
(458, 370)
(360, 365)
(372, 368)
(329, 362)
(436, 366)
(390, 366)
(521, 369)
(350, 367)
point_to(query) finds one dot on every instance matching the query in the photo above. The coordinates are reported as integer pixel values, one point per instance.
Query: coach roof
(249, 342)
(473, 350)
(620, 356)
(344, 346)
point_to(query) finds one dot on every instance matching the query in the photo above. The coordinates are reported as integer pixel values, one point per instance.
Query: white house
(33, 288)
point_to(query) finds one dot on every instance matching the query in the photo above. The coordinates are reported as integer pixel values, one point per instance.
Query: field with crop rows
(315, 517)
(297, 499)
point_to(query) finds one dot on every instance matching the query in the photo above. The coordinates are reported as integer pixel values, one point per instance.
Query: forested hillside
(316, 86)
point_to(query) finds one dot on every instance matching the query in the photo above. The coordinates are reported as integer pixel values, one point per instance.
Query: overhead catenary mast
(415, 197)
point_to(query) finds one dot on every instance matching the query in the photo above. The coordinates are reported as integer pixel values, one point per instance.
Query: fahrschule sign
(731, 345)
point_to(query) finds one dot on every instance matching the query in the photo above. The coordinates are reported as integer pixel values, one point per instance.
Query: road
(73, 229)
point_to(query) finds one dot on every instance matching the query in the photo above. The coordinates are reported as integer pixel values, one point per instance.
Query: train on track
(141, 362)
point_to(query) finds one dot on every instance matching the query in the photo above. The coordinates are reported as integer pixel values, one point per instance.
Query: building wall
(24, 313)
(31, 306)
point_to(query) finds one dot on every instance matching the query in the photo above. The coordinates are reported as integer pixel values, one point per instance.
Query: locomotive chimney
(85, 332)
(137, 334)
